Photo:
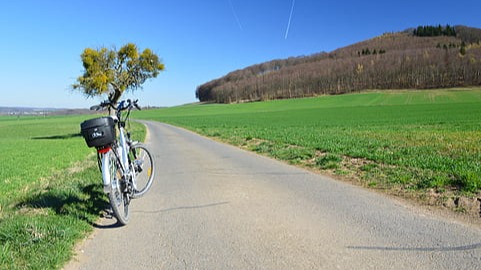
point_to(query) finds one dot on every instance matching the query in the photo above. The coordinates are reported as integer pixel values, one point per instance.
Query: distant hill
(418, 58)
(41, 111)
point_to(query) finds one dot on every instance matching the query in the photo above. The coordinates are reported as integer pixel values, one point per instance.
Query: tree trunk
(115, 96)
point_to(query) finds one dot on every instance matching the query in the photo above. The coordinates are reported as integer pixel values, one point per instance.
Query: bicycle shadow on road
(182, 208)
(108, 221)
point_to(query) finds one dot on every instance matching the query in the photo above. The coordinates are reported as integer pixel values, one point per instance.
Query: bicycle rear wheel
(119, 198)
(144, 168)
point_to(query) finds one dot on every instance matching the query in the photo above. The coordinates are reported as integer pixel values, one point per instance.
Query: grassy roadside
(50, 188)
(422, 144)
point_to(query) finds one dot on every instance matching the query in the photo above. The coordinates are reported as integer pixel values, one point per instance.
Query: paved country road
(214, 206)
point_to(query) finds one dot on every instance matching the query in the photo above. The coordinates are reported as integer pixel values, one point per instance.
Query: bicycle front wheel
(144, 168)
(118, 197)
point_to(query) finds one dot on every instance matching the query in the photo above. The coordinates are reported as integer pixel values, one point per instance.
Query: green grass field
(50, 188)
(33, 148)
(413, 140)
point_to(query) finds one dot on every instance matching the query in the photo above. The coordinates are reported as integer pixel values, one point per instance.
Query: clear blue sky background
(41, 41)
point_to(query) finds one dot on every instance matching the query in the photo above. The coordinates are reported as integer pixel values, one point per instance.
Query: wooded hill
(419, 58)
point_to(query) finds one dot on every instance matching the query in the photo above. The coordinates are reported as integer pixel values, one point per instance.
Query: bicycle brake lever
(136, 105)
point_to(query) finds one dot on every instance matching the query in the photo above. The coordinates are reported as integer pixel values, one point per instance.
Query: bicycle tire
(118, 197)
(144, 167)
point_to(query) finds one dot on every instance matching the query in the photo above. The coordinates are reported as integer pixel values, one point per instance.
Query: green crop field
(50, 190)
(407, 140)
(34, 147)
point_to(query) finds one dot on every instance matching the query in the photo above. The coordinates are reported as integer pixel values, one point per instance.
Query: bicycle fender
(105, 171)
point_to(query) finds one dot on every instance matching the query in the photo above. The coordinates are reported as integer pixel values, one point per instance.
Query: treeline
(435, 31)
(407, 62)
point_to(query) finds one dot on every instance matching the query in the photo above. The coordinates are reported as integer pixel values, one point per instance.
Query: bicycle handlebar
(120, 107)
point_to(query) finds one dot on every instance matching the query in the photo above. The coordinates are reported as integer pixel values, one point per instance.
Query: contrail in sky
(290, 17)
(235, 15)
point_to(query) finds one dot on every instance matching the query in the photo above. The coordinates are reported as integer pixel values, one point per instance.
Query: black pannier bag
(98, 132)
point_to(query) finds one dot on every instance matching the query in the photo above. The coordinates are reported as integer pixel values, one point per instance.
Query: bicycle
(127, 166)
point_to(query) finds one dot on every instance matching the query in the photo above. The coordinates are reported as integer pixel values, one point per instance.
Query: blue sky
(41, 41)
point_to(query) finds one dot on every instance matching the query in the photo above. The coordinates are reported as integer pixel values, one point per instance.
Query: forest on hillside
(421, 58)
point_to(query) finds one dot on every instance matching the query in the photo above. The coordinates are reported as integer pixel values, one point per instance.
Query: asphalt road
(214, 206)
